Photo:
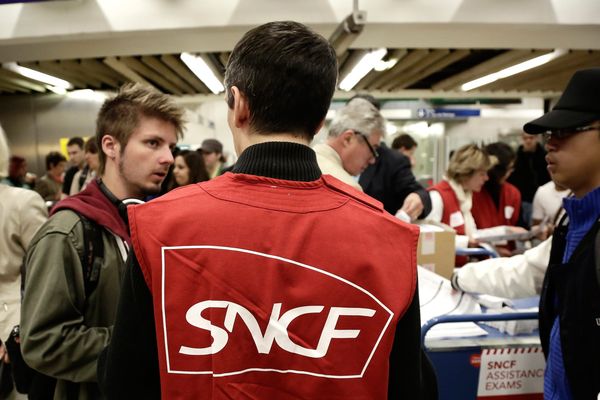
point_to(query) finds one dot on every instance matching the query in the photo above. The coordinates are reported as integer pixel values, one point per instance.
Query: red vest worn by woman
(451, 215)
(274, 289)
(487, 215)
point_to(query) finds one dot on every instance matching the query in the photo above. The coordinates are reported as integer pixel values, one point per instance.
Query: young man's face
(529, 142)
(75, 154)
(574, 160)
(211, 159)
(56, 170)
(145, 160)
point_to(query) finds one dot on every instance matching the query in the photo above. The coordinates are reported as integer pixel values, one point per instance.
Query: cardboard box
(436, 250)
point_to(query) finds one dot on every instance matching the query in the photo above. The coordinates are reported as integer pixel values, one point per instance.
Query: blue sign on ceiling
(448, 112)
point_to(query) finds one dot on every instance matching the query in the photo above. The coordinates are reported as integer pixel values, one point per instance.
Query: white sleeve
(538, 210)
(33, 215)
(511, 277)
(437, 207)
(74, 189)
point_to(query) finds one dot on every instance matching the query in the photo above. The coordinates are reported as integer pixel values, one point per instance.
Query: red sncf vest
(274, 289)
(451, 206)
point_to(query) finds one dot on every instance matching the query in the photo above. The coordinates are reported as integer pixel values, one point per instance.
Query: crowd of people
(117, 298)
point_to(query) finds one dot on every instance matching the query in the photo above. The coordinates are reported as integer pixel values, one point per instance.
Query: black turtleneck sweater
(135, 329)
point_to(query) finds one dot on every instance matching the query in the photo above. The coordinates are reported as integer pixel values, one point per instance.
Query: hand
(543, 231)
(473, 242)
(413, 206)
(503, 251)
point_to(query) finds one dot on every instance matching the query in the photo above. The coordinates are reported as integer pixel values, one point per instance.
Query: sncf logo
(277, 329)
(229, 311)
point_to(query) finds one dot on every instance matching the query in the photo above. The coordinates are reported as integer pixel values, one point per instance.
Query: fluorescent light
(362, 68)
(385, 65)
(88, 94)
(515, 69)
(201, 69)
(39, 76)
(57, 89)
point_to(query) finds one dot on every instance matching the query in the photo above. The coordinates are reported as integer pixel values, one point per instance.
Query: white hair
(359, 114)
(4, 154)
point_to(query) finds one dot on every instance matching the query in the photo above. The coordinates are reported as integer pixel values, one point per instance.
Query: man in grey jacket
(65, 324)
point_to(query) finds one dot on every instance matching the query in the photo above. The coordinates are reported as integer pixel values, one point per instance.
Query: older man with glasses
(354, 136)
(570, 299)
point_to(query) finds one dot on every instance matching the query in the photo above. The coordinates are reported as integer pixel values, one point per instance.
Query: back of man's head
(120, 115)
(404, 141)
(288, 74)
(358, 115)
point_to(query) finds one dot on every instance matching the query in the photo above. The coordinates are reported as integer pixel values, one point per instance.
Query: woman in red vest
(499, 202)
(451, 198)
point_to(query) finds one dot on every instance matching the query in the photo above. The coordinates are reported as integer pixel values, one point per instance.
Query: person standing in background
(390, 180)
(188, 168)
(17, 174)
(406, 145)
(22, 213)
(77, 161)
(529, 173)
(71, 290)
(49, 186)
(212, 151)
(452, 197)
(547, 204)
(352, 142)
(570, 300)
(89, 172)
(498, 203)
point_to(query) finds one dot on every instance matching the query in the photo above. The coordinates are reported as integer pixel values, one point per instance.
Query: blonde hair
(467, 160)
(119, 116)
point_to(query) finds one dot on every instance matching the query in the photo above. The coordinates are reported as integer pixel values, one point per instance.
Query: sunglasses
(565, 133)
(373, 150)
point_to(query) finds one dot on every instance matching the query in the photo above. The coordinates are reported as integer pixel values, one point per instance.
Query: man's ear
(240, 109)
(110, 146)
(347, 136)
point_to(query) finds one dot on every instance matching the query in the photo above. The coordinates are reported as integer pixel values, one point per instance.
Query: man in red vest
(272, 281)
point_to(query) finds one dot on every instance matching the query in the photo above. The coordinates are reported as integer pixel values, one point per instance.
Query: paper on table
(514, 327)
(437, 298)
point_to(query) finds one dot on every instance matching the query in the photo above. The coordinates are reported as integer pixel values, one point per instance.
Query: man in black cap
(570, 299)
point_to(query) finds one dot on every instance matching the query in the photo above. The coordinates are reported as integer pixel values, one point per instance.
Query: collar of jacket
(279, 160)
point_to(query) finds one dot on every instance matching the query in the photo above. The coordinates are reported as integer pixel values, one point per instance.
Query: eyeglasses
(565, 133)
(373, 150)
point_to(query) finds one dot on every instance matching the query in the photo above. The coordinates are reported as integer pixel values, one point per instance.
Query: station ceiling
(439, 72)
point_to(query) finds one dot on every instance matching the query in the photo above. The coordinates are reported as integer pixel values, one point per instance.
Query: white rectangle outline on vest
(216, 375)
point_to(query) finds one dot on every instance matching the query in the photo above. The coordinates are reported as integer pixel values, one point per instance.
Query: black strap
(83, 177)
(92, 257)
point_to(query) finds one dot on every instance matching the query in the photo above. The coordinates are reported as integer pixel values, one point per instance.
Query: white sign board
(511, 373)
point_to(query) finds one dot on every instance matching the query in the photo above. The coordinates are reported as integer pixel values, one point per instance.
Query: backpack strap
(93, 252)
(83, 176)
